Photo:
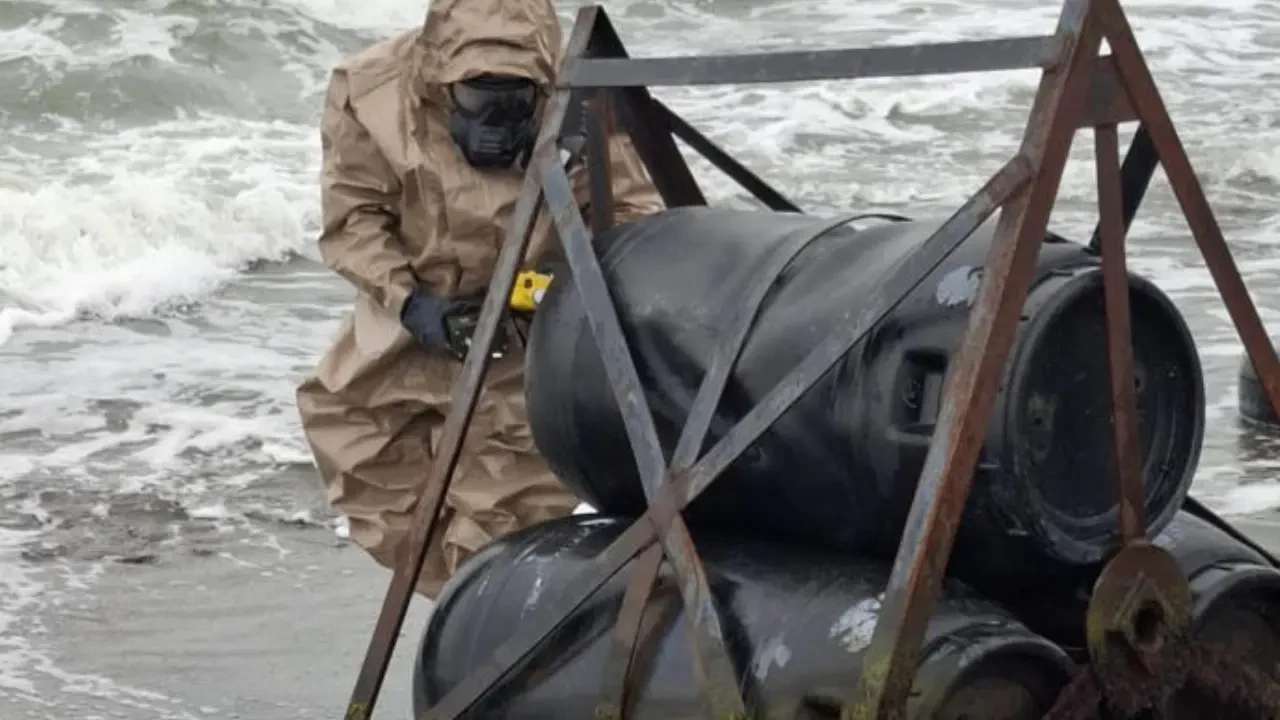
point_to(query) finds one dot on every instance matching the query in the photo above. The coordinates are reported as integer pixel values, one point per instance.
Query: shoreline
(250, 632)
(245, 633)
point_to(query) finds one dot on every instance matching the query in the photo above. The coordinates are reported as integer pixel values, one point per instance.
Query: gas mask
(493, 120)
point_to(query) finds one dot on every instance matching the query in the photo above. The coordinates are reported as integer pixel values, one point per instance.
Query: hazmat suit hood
(462, 39)
(468, 208)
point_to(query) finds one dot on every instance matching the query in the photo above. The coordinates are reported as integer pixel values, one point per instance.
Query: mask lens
(475, 95)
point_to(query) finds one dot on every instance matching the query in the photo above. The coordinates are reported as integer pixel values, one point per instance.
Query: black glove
(445, 324)
(423, 316)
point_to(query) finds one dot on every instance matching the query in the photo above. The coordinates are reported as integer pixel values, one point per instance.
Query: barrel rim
(1050, 297)
(968, 664)
(1241, 576)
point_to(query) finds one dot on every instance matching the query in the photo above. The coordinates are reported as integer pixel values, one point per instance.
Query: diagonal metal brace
(711, 658)
(738, 328)
(752, 183)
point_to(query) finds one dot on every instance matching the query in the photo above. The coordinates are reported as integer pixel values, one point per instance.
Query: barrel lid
(1055, 438)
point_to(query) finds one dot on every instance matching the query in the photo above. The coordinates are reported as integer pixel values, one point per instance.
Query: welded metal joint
(1064, 42)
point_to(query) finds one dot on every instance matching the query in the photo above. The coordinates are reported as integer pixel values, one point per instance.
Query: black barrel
(839, 469)
(1234, 589)
(797, 623)
(1236, 592)
(1254, 404)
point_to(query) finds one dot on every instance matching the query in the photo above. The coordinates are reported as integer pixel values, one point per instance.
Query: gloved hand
(423, 317)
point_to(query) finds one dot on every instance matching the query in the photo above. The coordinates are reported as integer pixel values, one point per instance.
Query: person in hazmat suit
(420, 136)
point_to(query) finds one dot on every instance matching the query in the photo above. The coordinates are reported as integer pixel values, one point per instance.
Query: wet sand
(254, 634)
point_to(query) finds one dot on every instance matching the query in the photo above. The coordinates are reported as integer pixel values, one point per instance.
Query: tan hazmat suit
(401, 207)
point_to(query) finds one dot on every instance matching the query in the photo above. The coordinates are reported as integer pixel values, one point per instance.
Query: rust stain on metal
(1138, 626)
(1217, 683)
(626, 633)
(1126, 449)
(599, 127)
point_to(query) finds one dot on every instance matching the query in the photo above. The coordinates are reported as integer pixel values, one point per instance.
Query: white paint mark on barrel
(854, 627)
(773, 652)
(959, 287)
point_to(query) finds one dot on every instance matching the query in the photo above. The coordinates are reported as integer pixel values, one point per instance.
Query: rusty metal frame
(1079, 89)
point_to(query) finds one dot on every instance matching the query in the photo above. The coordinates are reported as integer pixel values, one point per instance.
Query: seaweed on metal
(1079, 89)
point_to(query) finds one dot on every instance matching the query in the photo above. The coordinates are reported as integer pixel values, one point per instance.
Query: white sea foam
(18, 591)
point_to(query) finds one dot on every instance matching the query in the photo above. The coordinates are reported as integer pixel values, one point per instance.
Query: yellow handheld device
(530, 286)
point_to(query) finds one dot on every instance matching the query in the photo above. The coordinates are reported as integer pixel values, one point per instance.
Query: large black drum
(1235, 594)
(839, 469)
(797, 623)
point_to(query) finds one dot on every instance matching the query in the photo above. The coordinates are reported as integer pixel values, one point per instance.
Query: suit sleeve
(359, 204)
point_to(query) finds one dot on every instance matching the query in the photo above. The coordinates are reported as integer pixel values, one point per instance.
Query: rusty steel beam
(627, 629)
(412, 551)
(1127, 450)
(726, 163)
(1019, 53)
(659, 152)
(655, 145)
(598, 117)
(1190, 195)
(944, 483)
(1136, 172)
(719, 677)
